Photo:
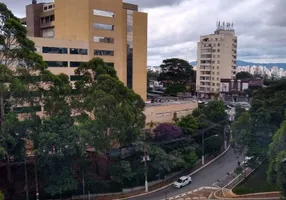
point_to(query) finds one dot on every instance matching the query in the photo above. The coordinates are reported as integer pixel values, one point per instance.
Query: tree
(1, 196)
(276, 154)
(189, 124)
(243, 75)
(176, 75)
(266, 115)
(241, 130)
(167, 131)
(118, 111)
(151, 76)
(21, 69)
(191, 159)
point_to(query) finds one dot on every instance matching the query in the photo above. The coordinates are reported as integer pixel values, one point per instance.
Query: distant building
(217, 54)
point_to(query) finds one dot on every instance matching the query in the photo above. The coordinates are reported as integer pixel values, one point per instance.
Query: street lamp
(203, 145)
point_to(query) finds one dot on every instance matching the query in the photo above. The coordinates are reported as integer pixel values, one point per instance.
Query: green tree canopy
(276, 154)
(241, 132)
(189, 124)
(243, 75)
(118, 111)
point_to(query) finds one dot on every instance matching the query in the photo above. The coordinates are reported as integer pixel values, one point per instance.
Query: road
(205, 177)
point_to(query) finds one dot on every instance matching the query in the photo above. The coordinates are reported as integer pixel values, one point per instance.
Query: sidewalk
(158, 186)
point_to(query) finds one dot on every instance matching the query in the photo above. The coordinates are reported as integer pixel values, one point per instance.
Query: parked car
(182, 181)
(247, 160)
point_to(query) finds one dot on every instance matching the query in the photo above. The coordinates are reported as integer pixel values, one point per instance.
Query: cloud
(175, 26)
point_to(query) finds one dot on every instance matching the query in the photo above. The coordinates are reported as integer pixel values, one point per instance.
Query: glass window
(107, 27)
(75, 78)
(103, 39)
(74, 64)
(78, 51)
(55, 50)
(98, 52)
(57, 63)
(103, 13)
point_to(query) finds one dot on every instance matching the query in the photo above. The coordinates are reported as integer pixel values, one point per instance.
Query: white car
(183, 181)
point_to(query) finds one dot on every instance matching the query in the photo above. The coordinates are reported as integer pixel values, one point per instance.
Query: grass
(256, 182)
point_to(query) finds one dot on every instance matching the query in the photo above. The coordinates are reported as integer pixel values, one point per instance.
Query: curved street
(205, 177)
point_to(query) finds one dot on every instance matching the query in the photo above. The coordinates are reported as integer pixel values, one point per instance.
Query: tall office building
(68, 32)
(216, 59)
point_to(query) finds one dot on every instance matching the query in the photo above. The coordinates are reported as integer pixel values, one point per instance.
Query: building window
(213, 50)
(217, 67)
(55, 50)
(75, 78)
(107, 27)
(103, 39)
(75, 64)
(217, 73)
(213, 84)
(103, 13)
(98, 52)
(129, 48)
(213, 56)
(218, 56)
(57, 63)
(218, 50)
(218, 44)
(78, 51)
(218, 62)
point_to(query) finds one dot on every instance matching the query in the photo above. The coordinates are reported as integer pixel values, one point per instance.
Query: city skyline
(175, 27)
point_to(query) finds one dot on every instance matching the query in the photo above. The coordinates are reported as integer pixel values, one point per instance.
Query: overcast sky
(174, 26)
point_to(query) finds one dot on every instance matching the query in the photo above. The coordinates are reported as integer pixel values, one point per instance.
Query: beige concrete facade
(99, 26)
(216, 59)
(165, 112)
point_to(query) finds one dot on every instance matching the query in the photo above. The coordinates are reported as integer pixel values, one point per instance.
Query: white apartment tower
(216, 58)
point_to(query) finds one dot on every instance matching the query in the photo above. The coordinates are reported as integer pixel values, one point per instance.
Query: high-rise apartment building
(216, 59)
(68, 32)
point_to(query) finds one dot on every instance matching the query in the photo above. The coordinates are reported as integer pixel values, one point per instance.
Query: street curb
(139, 195)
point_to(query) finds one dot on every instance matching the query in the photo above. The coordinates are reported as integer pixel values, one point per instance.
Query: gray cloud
(175, 26)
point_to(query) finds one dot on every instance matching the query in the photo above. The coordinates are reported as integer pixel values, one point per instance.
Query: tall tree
(276, 155)
(57, 142)
(189, 124)
(167, 131)
(176, 75)
(243, 75)
(20, 69)
(241, 130)
(118, 111)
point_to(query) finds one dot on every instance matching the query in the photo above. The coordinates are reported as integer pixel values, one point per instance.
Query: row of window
(63, 50)
(65, 64)
(170, 113)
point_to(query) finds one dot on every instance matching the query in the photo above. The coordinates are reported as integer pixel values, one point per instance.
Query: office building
(68, 32)
(216, 57)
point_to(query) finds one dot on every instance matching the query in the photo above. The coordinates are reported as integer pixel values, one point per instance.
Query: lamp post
(145, 159)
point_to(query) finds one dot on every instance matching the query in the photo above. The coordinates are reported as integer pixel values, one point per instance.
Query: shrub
(167, 131)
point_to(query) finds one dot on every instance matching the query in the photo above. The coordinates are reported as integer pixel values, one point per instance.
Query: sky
(175, 26)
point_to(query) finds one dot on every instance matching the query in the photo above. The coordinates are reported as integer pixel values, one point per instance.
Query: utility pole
(145, 163)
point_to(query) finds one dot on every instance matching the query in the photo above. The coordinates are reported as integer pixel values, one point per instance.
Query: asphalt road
(205, 177)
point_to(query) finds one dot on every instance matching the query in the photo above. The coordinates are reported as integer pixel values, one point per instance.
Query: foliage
(213, 145)
(118, 110)
(276, 154)
(175, 118)
(243, 75)
(256, 182)
(238, 170)
(189, 124)
(241, 131)
(21, 69)
(173, 89)
(167, 131)
(176, 75)
(121, 171)
(1, 196)
(191, 159)
(267, 114)
(58, 145)
(238, 111)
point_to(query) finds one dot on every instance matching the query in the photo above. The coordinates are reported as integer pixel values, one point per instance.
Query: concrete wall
(165, 112)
